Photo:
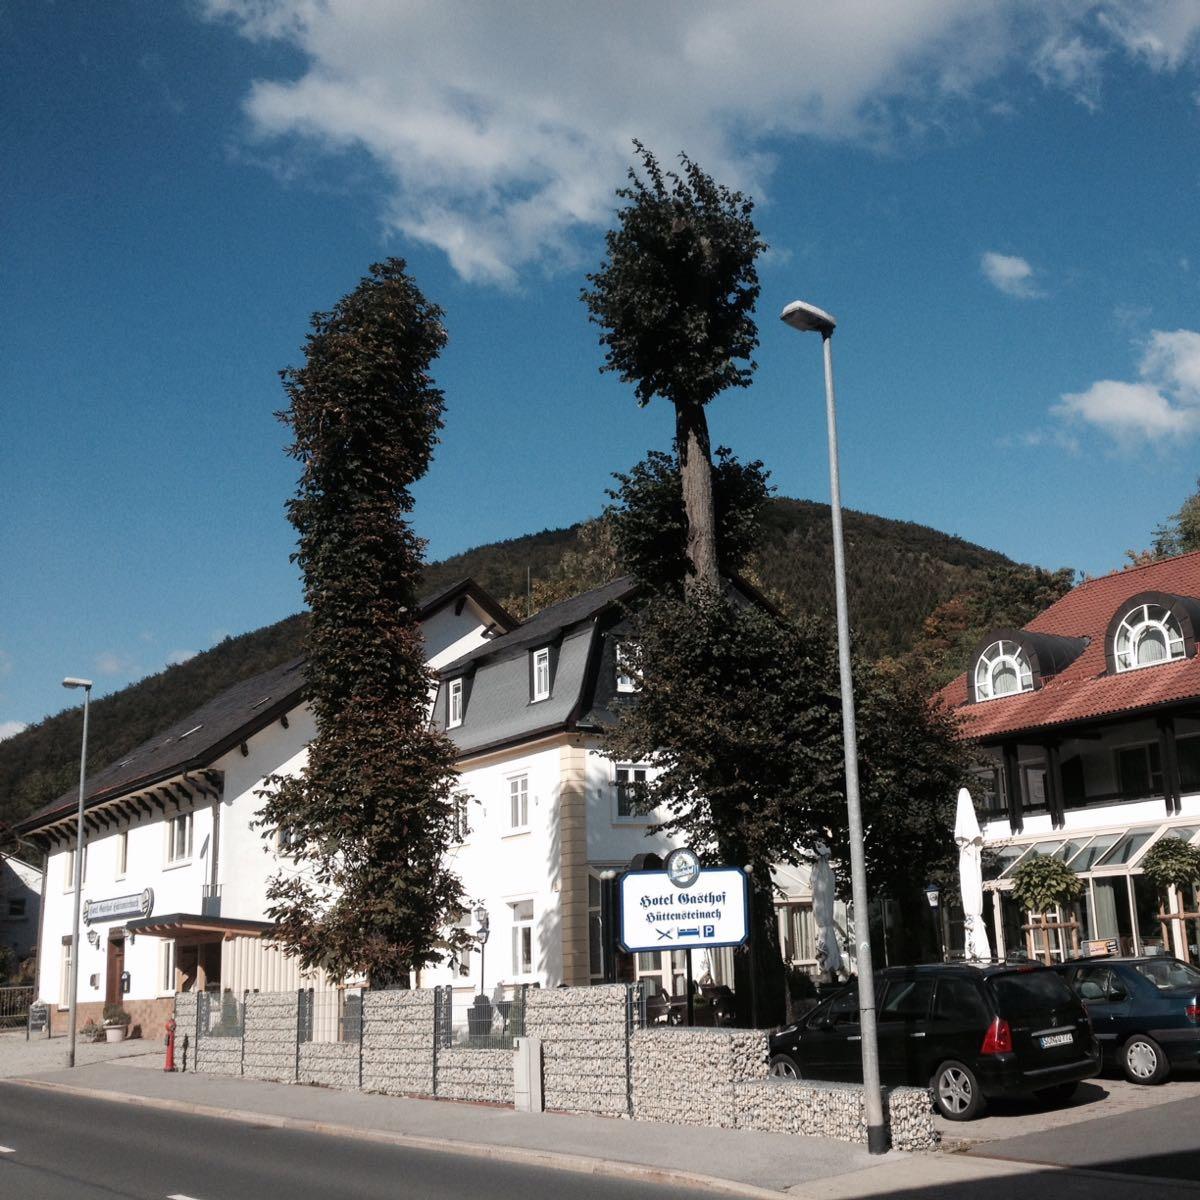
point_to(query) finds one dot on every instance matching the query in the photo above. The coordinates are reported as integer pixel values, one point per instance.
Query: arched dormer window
(1002, 670)
(1149, 629)
(1147, 635)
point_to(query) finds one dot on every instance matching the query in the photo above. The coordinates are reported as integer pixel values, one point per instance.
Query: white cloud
(109, 662)
(179, 656)
(1010, 274)
(11, 729)
(501, 129)
(1163, 406)
(1164, 33)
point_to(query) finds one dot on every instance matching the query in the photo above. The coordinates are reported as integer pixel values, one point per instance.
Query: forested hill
(898, 573)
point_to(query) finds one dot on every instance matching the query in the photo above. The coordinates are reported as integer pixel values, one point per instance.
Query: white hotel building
(176, 872)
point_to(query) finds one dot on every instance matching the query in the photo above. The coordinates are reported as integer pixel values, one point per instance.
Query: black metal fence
(331, 1016)
(482, 1022)
(220, 1014)
(14, 1006)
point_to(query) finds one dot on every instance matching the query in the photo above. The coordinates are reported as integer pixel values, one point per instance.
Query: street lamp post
(72, 1006)
(807, 318)
(481, 919)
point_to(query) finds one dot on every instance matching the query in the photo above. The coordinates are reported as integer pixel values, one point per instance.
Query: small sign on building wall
(683, 907)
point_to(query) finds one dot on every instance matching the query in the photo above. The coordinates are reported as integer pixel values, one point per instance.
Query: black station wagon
(969, 1033)
(1145, 1011)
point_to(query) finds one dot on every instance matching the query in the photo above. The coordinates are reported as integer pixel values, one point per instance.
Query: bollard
(169, 1065)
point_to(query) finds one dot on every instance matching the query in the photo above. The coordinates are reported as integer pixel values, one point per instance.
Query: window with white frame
(69, 865)
(626, 655)
(541, 674)
(454, 703)
(64, 979)
(1002, 670)
(1148, 635)
(798, 933)
(462, 818)
(522, 937)
(630, 780)
(166, 966)
(287, 837)
(179, 838)
(122, 854)
(518, 803)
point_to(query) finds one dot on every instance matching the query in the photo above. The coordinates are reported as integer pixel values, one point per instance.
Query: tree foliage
(649, 524)
(1171, 862)
(741, 712)
(1042, 881)
(1178, 534)
(675, 297)
(1005, 595)
(370, 815)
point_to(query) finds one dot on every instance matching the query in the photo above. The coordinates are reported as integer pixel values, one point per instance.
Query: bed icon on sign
(689, 932)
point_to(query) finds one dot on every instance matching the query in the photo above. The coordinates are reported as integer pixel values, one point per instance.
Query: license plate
(1056, 1039)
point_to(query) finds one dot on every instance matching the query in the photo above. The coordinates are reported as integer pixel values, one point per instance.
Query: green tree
(649, 524)
(1178, 534)
(370, 815)
(1043, 882)
(740, 711)
(675, 297)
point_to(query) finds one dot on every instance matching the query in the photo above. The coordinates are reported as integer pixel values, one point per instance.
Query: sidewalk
(733, 1162)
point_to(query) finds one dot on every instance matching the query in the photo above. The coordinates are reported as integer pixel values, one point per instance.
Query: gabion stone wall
(583, 1047)
(833, 1110)
(475, 1075)
(330, 1064)
(185, 1016)
(271, 1030)
(689, 1076)
(218, 1055)
(398, 1042)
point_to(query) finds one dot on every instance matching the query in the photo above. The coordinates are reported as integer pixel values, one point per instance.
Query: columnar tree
(369, 817)
(676, 298)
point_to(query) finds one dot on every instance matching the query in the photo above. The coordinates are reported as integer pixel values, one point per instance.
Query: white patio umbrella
(970, 878)
(829, 954)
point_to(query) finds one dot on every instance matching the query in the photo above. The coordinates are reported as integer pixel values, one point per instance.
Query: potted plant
(1171, 862)
(1041, 883)
(91, 1032)
(116, 1022)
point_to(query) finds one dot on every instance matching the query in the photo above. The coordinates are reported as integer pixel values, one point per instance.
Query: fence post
(196, 1044)
(299, 1032)
(245, 1015)
(437, 1034)
(362, 1030)
(629, 1019)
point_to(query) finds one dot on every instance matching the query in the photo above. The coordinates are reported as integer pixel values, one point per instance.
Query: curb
(577, 1163)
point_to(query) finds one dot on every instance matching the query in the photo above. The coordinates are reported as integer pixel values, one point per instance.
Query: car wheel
(1060, 1093)
(956, 1092)
(1143, 1060)
(783, 1066)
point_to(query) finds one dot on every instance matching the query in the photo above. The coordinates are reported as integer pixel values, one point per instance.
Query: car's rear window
(1028, 993)
(1169, 973)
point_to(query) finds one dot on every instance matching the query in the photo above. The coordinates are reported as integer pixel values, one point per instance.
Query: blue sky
(997, 200)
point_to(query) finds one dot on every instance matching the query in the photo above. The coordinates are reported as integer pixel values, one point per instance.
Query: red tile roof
(1085, 690)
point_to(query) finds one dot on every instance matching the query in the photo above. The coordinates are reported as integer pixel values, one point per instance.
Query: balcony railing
(210, 900)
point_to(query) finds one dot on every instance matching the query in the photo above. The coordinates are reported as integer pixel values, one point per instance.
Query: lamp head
(72, 682)
(481, 917)
(933, 894)
(808, 318)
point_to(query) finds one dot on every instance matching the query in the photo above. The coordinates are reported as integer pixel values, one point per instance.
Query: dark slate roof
(194, 742)
(200, 738)
(548, 624)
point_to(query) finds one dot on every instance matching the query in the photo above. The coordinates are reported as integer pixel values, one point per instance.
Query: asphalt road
(1162, 1141)
(58, 1147)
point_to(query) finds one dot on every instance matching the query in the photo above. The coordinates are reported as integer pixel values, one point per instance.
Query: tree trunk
(695, 471)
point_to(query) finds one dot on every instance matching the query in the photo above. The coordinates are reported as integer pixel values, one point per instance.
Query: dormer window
(454, 703)
(627, 680)
(1147, 635)
(1002, 670)
(541, 675)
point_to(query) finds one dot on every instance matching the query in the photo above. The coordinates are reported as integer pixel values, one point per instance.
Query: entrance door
(116, 968)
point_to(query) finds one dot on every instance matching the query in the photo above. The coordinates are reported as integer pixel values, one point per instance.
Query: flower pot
(114, 1033)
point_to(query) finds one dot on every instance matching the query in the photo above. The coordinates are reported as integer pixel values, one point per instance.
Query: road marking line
(7, 1150)
(180, 1196)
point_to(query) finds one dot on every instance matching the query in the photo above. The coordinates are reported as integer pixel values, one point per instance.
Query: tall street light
(807, 318)
(86, 684)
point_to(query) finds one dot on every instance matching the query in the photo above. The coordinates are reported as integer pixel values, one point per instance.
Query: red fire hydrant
(169, 1065)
